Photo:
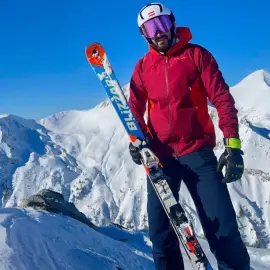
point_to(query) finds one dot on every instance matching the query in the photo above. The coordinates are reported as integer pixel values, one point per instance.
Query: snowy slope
(86, 151)
(59, 242)
(62, 243)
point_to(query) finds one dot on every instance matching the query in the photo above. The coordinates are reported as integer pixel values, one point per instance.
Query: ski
(98, 60)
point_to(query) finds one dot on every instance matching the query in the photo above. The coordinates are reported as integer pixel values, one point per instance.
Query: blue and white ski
(182, 226)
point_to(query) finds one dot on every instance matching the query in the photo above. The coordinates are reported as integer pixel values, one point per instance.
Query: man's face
(162, 41)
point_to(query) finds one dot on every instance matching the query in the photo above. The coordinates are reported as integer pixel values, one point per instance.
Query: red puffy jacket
(176, 88)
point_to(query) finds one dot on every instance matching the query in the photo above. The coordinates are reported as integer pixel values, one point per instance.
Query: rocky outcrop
(52, 201)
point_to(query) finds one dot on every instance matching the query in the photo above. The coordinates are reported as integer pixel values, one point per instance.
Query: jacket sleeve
(218, 92)
(138, 97)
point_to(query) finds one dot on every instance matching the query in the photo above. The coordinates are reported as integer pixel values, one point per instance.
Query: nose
(159, 34)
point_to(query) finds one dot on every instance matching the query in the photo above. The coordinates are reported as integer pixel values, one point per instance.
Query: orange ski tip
(95, 54)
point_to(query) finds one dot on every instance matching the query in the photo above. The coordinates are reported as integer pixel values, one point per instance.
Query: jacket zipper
(167, 91)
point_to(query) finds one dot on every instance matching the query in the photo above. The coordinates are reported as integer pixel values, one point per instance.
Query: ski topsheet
(182, 226)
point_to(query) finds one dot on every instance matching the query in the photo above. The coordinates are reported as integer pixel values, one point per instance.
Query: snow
(251, 95)
(60, 242)
(84, 155)
(3, 115)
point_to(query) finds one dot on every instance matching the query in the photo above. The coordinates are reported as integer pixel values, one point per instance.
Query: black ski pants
(213, 204)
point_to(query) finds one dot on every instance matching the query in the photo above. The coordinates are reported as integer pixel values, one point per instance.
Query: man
(175, 79)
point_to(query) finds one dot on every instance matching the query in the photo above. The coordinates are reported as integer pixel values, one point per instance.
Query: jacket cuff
(230, 132)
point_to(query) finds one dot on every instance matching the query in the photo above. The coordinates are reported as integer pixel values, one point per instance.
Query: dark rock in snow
(52, 201)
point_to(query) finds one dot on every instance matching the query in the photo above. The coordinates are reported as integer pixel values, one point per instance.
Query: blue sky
(43, 69)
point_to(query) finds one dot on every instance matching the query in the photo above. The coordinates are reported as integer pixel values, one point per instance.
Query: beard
(162, 43)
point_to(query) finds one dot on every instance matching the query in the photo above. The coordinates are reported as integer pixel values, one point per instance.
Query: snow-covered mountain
(84, 155)
(30, 161)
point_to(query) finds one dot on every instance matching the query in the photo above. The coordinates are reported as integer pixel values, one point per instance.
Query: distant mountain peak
(258, 77)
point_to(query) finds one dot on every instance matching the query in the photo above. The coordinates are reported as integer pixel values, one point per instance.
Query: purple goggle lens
(162, 23)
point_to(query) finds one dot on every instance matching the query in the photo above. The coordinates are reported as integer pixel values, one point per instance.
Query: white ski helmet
(151, 11)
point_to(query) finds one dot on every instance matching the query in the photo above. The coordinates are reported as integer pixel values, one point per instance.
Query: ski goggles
(162, 23)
